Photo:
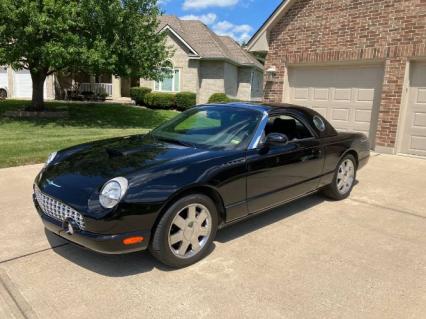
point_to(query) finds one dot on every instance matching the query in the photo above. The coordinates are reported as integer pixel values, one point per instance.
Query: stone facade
(206, 77)
(347, 31)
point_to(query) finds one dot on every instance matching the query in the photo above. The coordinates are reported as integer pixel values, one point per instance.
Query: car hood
(77, 174)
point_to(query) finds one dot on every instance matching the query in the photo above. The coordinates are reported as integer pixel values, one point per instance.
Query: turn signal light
(133, 240)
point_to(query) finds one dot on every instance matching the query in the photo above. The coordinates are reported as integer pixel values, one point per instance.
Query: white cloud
(240, 33)
(208, 18)
(202, 4)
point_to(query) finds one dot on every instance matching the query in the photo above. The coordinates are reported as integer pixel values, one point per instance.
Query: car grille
(57, 210)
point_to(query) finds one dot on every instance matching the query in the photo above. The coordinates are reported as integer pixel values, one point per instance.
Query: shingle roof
(208, 44)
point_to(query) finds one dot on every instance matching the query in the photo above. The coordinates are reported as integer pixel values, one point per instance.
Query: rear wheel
(3, 94)
(343, 180)
(185, 232)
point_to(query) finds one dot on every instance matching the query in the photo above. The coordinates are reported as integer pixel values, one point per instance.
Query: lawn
(29, 141)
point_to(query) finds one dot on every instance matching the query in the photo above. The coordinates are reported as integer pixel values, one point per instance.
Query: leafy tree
(109, 36)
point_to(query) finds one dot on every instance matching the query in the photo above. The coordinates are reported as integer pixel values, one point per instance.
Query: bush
(185, 100)
(221, 98)
(137, 94)
(159, 100)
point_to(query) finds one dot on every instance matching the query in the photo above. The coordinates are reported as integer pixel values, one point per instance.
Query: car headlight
(51, 158)
(113, 191)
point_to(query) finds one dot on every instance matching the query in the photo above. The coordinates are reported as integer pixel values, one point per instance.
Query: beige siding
(244, 85)
(231, 80)
(211, 79)
(180, 60)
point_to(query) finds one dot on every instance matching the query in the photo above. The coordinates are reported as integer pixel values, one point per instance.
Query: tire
(3, 94)
(189, 220)
(343, 180)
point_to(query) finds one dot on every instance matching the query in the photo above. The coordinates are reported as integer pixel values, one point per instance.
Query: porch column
(116, 87)
(10, 82)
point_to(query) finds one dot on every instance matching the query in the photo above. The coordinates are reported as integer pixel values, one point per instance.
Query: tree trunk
(38, 79)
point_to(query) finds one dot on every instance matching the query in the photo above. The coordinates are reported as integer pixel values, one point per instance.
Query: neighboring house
(360, 63)
(205, 63)
(18, 84)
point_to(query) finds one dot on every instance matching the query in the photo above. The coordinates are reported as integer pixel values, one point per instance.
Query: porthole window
(319, 123)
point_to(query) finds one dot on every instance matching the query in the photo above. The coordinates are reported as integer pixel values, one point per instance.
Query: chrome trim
(58, 210)
(259, 131)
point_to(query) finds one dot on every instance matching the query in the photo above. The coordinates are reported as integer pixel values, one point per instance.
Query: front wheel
(185, 232)
(343, 180)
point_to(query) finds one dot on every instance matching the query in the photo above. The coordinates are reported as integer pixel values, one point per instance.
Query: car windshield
(221, 127)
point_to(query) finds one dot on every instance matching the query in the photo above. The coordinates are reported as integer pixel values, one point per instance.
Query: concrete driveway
(364, 257)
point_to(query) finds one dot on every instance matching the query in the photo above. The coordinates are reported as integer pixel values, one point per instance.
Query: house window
(170, 83)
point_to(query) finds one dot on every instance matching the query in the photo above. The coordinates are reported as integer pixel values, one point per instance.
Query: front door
(279, 173)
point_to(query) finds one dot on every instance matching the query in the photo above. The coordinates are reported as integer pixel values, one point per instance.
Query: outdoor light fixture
(271, 74)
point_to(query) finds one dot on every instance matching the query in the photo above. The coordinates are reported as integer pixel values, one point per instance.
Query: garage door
(348, 97)
(414, 138)
(3, 77)
(23, 86)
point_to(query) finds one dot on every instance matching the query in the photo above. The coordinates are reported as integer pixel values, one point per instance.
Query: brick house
(361, 63)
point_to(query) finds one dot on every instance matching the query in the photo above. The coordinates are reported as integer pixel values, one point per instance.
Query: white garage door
(414, 138)
(348, 97)
(3, 77)
(23, 86)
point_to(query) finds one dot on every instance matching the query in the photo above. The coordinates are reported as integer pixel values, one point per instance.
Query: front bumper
(106, 244)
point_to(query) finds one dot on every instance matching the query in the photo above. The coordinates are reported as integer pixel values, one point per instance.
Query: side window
(288, 125)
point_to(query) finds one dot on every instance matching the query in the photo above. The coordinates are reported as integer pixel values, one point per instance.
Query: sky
(239, 19)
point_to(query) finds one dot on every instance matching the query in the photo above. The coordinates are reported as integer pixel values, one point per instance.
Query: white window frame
(160, 89)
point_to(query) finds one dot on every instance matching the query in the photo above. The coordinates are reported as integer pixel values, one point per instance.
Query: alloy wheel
(345, 176)
(190, 231)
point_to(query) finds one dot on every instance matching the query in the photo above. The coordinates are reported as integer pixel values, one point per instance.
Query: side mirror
(276, 139)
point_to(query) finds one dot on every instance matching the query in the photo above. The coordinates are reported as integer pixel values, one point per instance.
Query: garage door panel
(340, 115)
(346, 96)
(342, 95)
(414, 135)
(301, 94)
(421, 95)
(3, 77)
(321, 94)
(419, 120)
(23, 84)
(365, 95)
(321, 110)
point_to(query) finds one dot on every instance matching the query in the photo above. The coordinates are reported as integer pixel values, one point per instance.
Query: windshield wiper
(173, 141)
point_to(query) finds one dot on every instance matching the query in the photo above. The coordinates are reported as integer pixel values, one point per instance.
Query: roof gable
(205, 44)
(259, 41)
(179, 37)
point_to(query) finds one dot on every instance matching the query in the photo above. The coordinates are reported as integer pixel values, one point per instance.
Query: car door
(279, 173)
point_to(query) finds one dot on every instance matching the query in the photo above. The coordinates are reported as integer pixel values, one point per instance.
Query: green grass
(29, 141)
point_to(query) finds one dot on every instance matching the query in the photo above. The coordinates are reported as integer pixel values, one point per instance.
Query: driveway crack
(32, 253)
(395, 210)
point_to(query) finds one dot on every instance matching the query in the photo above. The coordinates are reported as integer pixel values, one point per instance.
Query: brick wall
(322, 31)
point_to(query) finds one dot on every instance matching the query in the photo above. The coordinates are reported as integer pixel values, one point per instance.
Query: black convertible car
(213, 165)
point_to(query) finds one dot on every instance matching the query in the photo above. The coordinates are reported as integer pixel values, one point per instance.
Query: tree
(110, 36)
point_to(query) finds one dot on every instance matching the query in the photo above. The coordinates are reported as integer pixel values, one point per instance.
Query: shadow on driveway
(141, 262)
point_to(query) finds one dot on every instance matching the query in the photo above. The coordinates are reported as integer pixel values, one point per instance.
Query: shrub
(221, 98)
(159, 100)
(185, 100)
(137, 94)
